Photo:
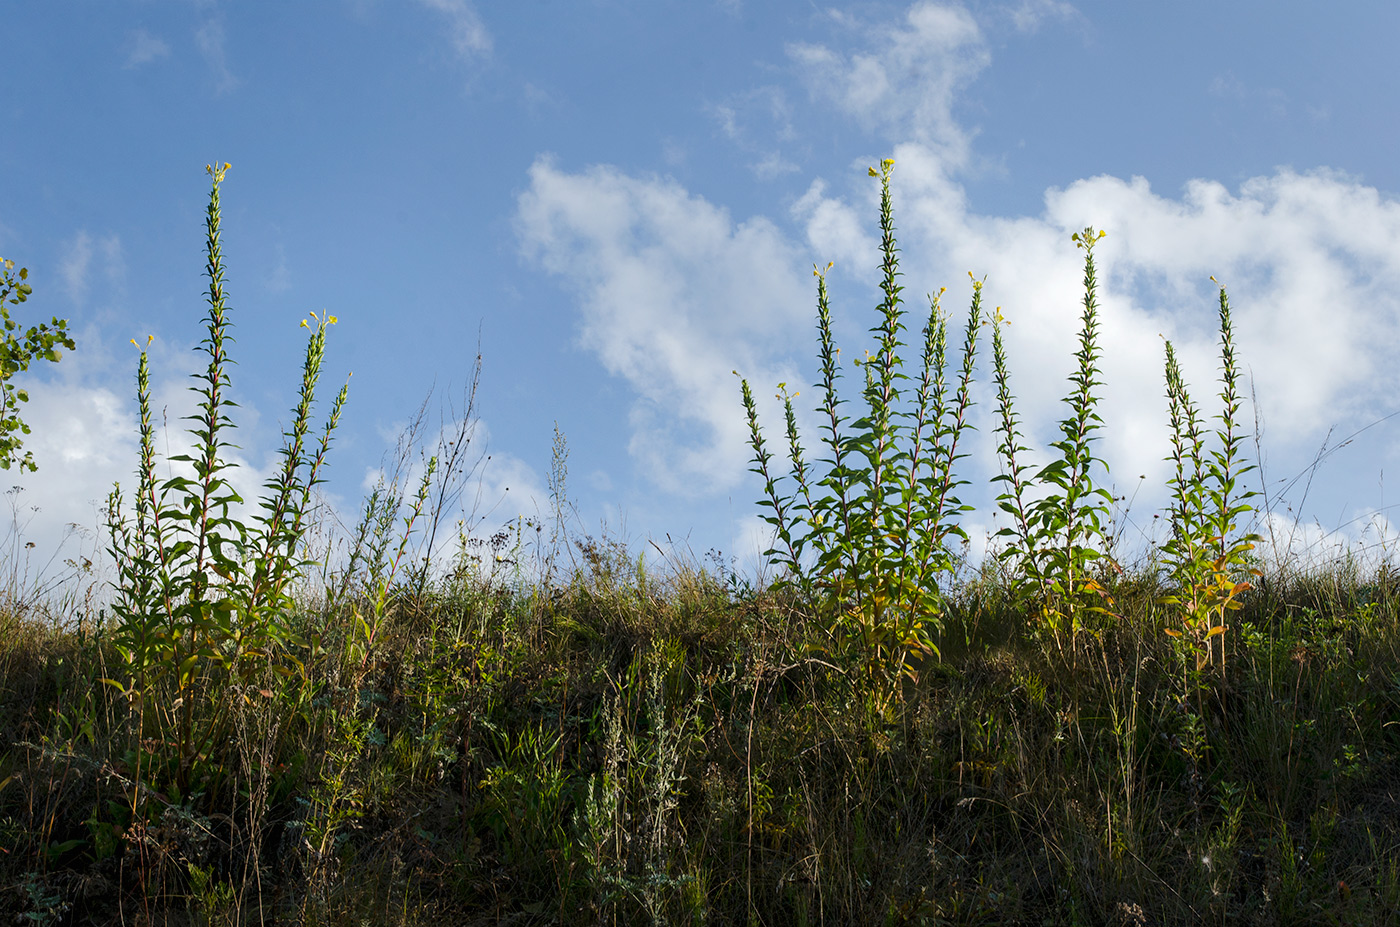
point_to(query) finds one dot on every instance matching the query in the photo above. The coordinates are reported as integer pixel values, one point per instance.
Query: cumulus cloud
(143, 48)
(674, 295)
(465, 29)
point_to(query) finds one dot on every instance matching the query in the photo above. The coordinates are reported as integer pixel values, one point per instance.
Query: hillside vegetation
(555, 729)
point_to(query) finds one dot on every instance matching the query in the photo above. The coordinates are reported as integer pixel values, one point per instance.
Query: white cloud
(75, 265)
(209, 39)
(674, 295)
(759, 122)
(907, 77)
(837, 232)
(1271, 100)
(143, 48)
(466, 31)
(773, 165)
(84, 439)
(1030, 15)
(507, 488)
(279, 279)
(1312, 262)
(1292, 545)
(752, 536)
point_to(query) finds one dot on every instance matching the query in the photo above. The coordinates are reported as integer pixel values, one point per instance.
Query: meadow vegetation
(554, 729)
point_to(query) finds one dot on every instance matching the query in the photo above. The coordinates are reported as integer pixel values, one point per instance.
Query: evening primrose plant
(865, 533)
(1060, 512)
(1208, 557)
(203, 602)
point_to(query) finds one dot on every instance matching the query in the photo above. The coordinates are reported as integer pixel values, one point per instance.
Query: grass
(874, 738)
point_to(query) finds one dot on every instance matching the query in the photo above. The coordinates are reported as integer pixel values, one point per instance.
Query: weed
(878, 514)
(202, 597)
(1207, 557)
(1058, 512)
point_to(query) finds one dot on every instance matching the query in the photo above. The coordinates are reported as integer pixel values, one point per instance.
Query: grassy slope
(625, 749)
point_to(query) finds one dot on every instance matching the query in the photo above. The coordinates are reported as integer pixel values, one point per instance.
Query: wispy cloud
(113, 262)
(279, 279)
(759, 122)
(209, 39)
(1029, 15)
(466, 31)
(773, 165)
(142, 48)
(73, 266)
(673, 152)
(905, 77)
(76, 263)
(1269, 99)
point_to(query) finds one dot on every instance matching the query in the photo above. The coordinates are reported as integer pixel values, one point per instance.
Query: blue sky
(623, 202)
